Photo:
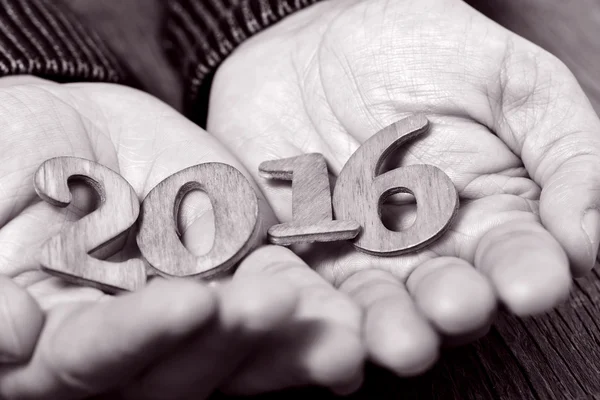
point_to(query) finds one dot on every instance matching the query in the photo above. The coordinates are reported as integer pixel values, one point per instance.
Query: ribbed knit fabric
(199, 34)
(41, 38)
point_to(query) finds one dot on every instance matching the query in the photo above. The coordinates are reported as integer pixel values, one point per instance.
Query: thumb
(21, 321)
(557, 134)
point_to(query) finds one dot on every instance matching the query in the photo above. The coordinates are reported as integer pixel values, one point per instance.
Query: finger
(90, 348)
(397, 336)
(21, 321)
(321, 345)
(527, 266)
(248, 310)
(455, 297)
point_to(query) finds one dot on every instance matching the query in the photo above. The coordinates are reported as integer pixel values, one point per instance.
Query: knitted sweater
(43, 38)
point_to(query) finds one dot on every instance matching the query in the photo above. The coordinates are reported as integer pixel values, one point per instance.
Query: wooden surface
(555, 356)
(235, 209)
(66, 254)
(361, 190)
(311, 202)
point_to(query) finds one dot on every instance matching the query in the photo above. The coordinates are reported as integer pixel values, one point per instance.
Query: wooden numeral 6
(67, 254)
(235, 208)
(361, 190)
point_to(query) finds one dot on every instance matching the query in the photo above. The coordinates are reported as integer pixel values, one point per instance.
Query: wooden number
(311, 202)
(361, 190)
(67, 254)
(235, 208)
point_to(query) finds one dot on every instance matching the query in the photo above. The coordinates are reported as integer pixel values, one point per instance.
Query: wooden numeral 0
(67, 254)
(361, 190)
(311, 202)
(235, 209)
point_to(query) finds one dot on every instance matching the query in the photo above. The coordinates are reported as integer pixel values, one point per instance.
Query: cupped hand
(173, 338)
(509, 125)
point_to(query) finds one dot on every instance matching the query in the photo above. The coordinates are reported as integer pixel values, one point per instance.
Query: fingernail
(591, 226)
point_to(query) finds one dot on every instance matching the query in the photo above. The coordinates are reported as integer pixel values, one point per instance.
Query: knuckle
(340, 362)
(189, 303)
(567, 148)
(334, 308)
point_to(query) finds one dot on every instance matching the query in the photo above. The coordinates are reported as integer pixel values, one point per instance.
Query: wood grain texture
(311, 202)
(235, 208)
(67, 254)
(361, 190)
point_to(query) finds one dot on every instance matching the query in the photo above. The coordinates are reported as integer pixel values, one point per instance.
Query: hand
(510, 126)
(174, 338)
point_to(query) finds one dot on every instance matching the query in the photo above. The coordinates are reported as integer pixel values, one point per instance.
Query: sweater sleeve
(39, 37)
(200, 34)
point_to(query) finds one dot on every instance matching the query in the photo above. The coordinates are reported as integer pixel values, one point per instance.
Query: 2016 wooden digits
(360, 191)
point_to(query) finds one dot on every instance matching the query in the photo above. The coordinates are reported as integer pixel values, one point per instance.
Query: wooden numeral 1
(311, 202)
(67, 254)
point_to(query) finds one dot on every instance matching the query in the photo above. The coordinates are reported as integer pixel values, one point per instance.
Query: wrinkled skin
(267, 328)
(510, 126)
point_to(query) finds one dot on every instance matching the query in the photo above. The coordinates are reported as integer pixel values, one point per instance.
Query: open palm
(172, 339)
(509, 125)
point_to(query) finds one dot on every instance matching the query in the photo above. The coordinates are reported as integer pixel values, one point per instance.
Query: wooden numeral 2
(67, 254)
